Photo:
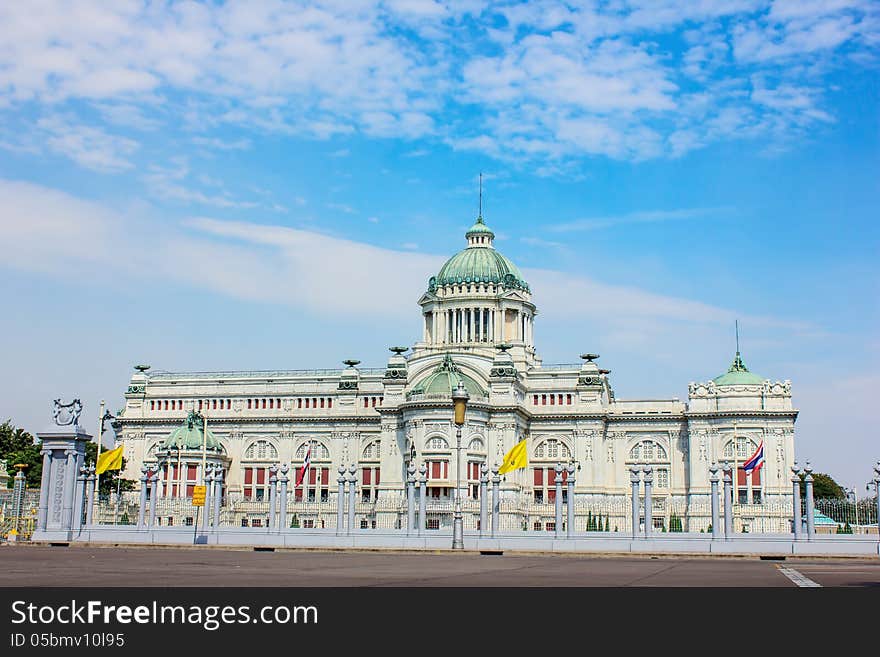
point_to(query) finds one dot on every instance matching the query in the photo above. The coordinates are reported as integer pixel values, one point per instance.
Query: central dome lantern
(478, 299)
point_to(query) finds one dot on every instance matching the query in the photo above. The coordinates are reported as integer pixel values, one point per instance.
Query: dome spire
(480, 213)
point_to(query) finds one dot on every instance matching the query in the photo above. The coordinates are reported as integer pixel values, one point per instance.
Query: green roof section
(444, 379)
(479, 263)
(189, 435)
(479, 228)
(738, 374)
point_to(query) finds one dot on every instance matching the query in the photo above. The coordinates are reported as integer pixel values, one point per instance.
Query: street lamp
(460, 398)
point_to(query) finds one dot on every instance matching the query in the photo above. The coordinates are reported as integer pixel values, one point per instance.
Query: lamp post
(460, 399)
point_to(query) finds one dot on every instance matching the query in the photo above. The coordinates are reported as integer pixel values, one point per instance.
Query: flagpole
(204, 447)
(735, 500)
(100, 431)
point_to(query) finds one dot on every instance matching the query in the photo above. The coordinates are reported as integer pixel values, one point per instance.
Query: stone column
(282, 500)
(716, 516)
(340, 501)
(209, 494)
(410, 498)
(634, 479)
(69, 488)
(154, 478)
(811, 516)
(570, 503)
(423, 497)
(90, 491)
(558, 483)
(273, 485)
(795, 501)
(79, 495)
(218, 494)
(142, 509)
(649, 505)
(43, 511)
(484, 503)
(352, 496)
(496, 499)
(728, 501)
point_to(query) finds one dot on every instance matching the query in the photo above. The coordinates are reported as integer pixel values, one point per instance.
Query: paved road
(77, 566)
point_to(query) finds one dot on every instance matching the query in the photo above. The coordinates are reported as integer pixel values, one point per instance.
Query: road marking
(798, 578)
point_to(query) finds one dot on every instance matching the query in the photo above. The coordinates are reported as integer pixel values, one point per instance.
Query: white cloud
(644, 216)
(88, 146)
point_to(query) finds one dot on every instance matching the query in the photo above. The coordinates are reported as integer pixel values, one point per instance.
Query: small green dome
(444, 379)
(479, 228)
(479, 263)
(189, 435)
(738, 375)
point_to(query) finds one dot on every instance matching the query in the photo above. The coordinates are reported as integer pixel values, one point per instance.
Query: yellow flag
(515, 459)
(111, 460)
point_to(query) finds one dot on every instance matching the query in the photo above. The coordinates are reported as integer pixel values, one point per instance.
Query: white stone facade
(370, 417)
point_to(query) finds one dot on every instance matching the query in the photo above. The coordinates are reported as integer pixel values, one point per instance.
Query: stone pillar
(634, 479)
(218, 494)
(496, 500)
(570, 503)
(728, 501)
(352, 496)
(210, 486)
(649, 505)
(90, 492)
(69, 488)
(79, 495)
(340, 501)
(423, 498)
(795, 501)
(142, 509)
(282, 501)
(811, 516)
(558, 483)
(44, 492)
(154, 478)
(484, 503)
(273, 485)
(410, 498)
(716, 516)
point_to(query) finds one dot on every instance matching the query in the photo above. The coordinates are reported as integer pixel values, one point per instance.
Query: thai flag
(756, 460)
(305, 466)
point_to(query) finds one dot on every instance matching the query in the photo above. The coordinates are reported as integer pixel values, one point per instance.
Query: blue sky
(270, 185)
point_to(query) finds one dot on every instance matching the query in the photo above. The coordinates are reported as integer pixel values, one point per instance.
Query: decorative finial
(398, 350)
(480, 213)
(141, 368)
(351, 362)
(736, 324)
(589, 357)
(66, 414)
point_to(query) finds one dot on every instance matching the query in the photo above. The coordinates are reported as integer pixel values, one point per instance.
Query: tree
(18, 446)
(824, 487)
(109, 478)
(606, 524)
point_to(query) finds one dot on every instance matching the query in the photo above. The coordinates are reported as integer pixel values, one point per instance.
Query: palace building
(478, 324)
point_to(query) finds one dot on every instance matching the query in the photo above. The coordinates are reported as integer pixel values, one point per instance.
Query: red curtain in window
(312, 476)
(741, 477)
(551, 494)
(539, 476)
(191, 472)
(248, 476)
(329, 403)
(261, 475)
(435, 469)
(366, 477)
(325, 476)
(377, 475)
(756, 477)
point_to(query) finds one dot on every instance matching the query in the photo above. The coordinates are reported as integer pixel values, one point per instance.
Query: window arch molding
(436, 443)
(319, 452)
(261, 449)
(648, 451)
(551, 449)
(745, 447)
(371, 451)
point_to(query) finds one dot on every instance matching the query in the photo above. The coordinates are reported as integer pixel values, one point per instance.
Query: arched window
(319, 451)
(436, 443)
(744, 448)
(370, 475)
(553, 449)
(316, 483)
(647, 451)
(261, 450)
(476, 445)
(745, 482)
(551, 452)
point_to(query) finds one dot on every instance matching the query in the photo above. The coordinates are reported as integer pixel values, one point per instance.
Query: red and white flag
(305, 466)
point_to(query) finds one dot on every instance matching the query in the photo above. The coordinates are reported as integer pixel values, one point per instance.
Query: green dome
(189, 435)
(479, 263)
(738, 375)
(444, 379)
(479, 228)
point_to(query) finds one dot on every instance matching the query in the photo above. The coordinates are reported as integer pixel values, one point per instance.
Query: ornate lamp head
(460, 399)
